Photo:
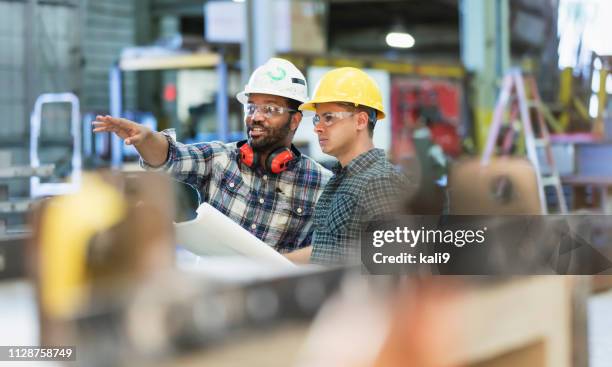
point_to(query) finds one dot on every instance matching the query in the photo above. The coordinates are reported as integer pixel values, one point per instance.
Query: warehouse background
(179, 63)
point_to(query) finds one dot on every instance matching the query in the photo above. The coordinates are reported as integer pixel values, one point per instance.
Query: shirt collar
(360, 163)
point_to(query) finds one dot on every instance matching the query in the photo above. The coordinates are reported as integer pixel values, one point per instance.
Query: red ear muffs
(248, 156)
(279, 160)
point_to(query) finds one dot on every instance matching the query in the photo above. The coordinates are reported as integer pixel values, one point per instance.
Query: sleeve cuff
(171, 138)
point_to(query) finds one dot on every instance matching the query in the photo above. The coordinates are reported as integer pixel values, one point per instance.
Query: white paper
(211, 233)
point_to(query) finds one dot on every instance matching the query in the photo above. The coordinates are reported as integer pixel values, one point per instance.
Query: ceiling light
(399, 40)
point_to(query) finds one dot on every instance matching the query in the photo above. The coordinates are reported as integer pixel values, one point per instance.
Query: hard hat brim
(243, 97)
(312, 106)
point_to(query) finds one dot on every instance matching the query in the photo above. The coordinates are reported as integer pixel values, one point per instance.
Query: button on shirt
(276, 208)
(368, 188)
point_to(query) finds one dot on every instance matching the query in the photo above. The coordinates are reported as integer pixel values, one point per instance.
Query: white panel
(224, 21)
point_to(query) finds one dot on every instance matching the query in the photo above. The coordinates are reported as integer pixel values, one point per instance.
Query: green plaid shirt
(276, 208)
(368, 188)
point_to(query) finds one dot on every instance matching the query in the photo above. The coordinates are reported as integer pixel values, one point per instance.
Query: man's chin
(260, 143)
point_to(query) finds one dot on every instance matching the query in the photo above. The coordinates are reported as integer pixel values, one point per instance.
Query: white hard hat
(277, 77)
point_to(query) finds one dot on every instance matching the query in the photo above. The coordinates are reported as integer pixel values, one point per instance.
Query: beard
(272, 136)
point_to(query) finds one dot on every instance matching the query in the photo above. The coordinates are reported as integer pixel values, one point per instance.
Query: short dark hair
(293, 104)
(371, 125)
(368, 110)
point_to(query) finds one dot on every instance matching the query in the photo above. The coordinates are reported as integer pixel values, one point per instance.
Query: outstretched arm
(151, 145)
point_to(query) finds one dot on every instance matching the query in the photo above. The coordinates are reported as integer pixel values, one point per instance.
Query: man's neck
(356, 149)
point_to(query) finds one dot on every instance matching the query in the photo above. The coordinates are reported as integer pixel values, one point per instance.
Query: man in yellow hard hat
(365, 186)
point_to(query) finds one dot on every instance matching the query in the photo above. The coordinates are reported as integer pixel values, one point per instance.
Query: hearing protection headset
(277, 161)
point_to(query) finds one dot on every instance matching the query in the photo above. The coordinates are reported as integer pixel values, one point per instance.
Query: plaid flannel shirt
(276, 208)
(369, 188)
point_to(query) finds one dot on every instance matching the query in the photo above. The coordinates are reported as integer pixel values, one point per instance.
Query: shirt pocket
(230, 187)
(292, 214)
(341, 213)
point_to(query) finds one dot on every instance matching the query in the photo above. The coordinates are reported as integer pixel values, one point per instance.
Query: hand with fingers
(131, 132)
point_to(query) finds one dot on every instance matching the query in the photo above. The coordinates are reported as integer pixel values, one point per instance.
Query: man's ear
(296, 118)
(362, 120)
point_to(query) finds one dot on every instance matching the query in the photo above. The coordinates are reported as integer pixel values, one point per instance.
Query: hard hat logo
(277, 77)
(280, 75)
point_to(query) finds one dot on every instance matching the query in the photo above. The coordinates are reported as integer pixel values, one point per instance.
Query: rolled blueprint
(212, 233)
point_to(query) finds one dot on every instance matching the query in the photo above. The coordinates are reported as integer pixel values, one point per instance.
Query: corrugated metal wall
(75, 42)
(56, 46)
(57, 70)
(38, 54)
(110, 26)
(12, 94)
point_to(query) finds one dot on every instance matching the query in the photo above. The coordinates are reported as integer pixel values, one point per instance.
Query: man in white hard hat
(263, 183)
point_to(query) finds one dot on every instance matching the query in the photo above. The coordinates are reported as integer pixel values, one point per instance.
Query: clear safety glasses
(329, 118)
(268, 110)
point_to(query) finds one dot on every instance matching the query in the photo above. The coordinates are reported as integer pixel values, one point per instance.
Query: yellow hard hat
(347, 85)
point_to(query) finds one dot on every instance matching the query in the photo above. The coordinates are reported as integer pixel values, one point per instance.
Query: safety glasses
(268, 110)
(329, 118)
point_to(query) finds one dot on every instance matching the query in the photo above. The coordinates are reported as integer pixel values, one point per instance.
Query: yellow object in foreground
(68, 224)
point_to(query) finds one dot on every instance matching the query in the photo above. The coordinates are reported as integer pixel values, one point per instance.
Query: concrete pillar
(485, 52)
(146, 82)
(259, 44)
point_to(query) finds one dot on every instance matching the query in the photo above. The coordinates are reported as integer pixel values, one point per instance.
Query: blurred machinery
(334, 318)
(55, 168)
(93, 246)
(505, 186)
(72, 177)
(572, 111)
(110, 287)
(426, 127)
(436, 104)
(585, 144)
(603, 87)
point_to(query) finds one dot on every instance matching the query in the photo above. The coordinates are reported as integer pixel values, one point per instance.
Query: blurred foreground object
(95, 245)
(363, 321)
(104, 259)
(504, 186)
(444, 322)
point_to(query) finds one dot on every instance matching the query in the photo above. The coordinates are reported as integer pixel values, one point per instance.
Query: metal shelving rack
(167, 62)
